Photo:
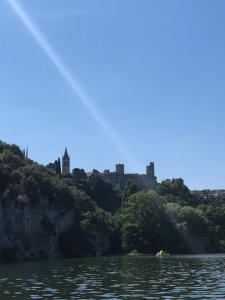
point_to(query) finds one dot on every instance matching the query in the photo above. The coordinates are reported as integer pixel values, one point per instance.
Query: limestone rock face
(40, 211)
(28, 232)
(32, 233)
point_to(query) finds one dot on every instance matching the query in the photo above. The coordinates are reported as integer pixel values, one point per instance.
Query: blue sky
(153, 72)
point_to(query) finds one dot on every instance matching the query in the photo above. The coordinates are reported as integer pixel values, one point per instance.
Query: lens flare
(72, 82)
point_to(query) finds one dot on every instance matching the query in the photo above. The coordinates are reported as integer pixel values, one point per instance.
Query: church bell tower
(65, 163)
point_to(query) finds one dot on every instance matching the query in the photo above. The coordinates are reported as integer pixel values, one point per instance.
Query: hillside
(45, 215)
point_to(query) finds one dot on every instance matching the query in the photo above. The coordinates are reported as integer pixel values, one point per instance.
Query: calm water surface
(122, 277)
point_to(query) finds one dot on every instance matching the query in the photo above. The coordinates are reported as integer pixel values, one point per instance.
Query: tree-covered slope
(44, 214)
(40, 214)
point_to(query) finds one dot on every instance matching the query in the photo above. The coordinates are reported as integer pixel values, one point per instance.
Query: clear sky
(128, 81)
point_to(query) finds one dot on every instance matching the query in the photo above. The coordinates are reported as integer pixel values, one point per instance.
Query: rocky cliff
(41, 215)
(28, 232)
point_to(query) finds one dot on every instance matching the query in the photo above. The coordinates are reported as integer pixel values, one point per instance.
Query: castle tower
(120, 168)
(150, 170)
(65, 163)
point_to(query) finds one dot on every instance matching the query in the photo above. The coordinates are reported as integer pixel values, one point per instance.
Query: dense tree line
(171, 217)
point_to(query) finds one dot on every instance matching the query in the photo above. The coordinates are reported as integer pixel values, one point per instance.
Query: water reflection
(123, 277)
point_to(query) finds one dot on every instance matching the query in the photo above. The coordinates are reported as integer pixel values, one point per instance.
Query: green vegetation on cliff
(44, 214)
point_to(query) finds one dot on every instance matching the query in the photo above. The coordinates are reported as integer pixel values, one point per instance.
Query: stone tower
(65, 163)
(120, 169)
(150, 170)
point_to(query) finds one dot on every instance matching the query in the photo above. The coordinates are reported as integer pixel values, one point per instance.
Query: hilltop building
(117, 178)
(63, 168)
(66, 163)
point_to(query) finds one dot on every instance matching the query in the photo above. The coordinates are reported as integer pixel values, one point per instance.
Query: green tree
(144, 224)
(128, 190)
(104, 195)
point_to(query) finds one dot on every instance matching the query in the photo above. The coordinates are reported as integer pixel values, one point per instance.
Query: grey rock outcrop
(28, 232)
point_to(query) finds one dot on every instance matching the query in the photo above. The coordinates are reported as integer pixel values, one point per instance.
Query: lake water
(121, 277)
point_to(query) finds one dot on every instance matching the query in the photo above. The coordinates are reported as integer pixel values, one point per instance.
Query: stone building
(119, 178)
(59, 168)
(66, 163)
(56, 166)
(120, 169)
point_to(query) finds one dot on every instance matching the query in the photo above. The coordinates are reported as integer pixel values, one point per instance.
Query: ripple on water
(195, 277)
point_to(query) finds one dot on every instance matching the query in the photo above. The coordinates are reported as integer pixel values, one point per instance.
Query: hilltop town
(118, 178)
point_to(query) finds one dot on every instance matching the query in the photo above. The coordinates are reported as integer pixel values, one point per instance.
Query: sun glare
(73, 83)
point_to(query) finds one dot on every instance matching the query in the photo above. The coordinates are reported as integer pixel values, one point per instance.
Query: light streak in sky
(72, 82)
